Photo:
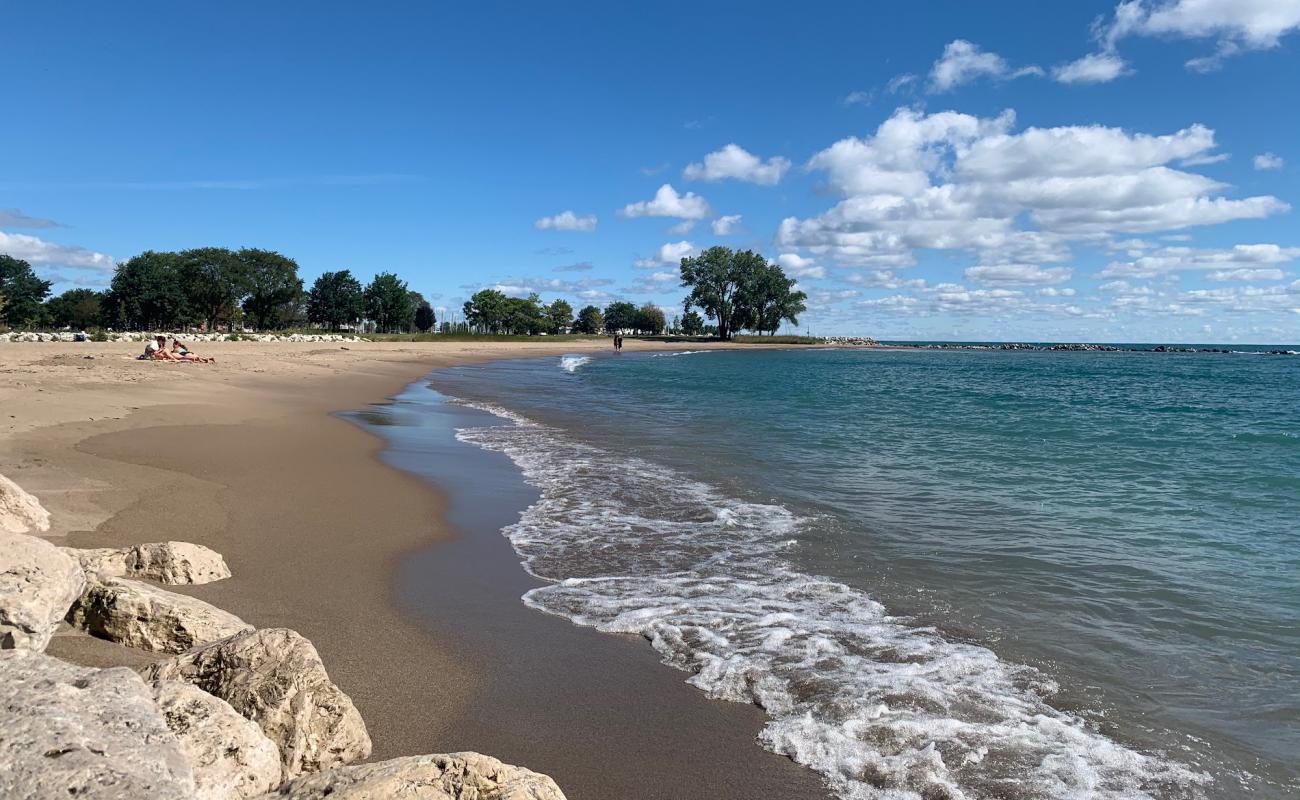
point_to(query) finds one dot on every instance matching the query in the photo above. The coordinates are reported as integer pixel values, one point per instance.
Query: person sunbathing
(183, 353)
(156, 350)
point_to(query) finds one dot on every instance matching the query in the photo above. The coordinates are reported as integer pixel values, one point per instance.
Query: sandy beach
(246, 457)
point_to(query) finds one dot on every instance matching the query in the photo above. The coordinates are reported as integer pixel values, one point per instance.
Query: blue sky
(949, 170)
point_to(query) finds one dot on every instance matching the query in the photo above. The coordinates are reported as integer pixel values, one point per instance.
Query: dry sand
(244, 456)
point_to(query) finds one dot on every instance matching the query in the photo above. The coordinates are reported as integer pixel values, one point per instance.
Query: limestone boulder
(165, 562)
(68, 731)
(142, 615)
(19, 511)
(38, 584)
(454, 776)
(231, 757)
(275, 678)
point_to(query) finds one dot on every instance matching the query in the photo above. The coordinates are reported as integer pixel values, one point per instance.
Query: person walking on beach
(618, 343)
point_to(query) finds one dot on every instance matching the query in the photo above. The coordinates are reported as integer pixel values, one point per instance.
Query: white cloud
(566, 221)
(1247, 274)
(1169, 260)
(524, 286)
(1092, 68)
(682, 228)
(1236, 25)
(670, 253)
(737, 163)
(800, 267)
(668, 203)
(952, 181)
(955, 299)
(963, 62)
(858, 98)
(38, 252)
(1018, 275)
(1268, 161)
(726, 225)
(1052, 291)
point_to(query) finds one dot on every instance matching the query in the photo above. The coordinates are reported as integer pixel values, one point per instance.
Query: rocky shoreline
(1085, 348)
(232, 712)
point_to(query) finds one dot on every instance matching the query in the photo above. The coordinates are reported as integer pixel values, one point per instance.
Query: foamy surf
(879, 707)
(571, 364)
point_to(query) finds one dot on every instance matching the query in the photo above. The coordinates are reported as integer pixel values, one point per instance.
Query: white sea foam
(881, 708)
(571, 363)
(679, 353)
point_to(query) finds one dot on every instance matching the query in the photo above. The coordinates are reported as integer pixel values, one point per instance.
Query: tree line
(213, 288)
(217, 288)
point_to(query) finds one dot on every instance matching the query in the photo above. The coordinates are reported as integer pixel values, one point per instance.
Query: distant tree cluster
(740, 291)
(492, 311)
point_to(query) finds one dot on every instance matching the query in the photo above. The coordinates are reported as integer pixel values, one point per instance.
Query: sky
(932, 170)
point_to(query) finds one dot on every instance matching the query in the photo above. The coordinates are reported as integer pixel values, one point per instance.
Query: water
(943, 574)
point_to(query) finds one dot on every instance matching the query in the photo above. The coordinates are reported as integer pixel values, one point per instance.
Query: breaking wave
(880, 707)
(571, 363)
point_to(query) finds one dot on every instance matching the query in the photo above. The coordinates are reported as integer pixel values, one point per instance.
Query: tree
(146, 294)
(273, 286)
(768, 298)
(561, 316)
(335, 300)
(23, 293)
(388, 302)
(75, 308)
(650, 319)
(526, 316)
(715, 278)
(215, 282)
(486, 311)
(620, 316)
(692, 323)
(424, 318)
(589, 321)
(417, 301)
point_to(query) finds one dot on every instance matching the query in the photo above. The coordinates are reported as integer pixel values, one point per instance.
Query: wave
(571, 363)
(679, 353)
(879, 707)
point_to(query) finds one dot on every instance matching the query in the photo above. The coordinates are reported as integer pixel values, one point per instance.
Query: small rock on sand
(454, 776)
(142, 615)
(172, 563)
(19, 511)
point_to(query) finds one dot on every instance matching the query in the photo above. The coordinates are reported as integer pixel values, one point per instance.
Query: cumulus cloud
(653, 283)
(13, 218)
(963, 62)
(739, 164)
(524, 286)
(726, 225)
(682, 228)
(669, 254)
(39, 252)
(1268, 161)
(668, 203)
(950, 181)
(566, 221)
(1018, 275)
(1092, 68)
(800, 267)
(956, 299)
(858, 98)
(1236, 26)
(1168, 260)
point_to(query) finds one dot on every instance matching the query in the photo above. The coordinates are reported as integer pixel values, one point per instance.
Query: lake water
(942, 573)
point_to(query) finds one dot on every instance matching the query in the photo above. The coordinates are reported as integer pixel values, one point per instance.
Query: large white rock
(275, 677)
(19, 511)
(230, 755)
(37, 586)
(454, 776)
(142, 615)
(165, 562)
(68, 731)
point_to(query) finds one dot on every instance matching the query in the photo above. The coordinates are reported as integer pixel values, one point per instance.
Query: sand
(247, 457)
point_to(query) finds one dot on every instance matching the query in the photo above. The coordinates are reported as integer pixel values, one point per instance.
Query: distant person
(183, 353)
(618, 342)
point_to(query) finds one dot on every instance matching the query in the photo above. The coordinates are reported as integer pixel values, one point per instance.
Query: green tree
(273, 286)
(769, 298)
(75, 308)
(589, 321)
(388, 303)
(650, 319)
(620, 316)
(424, 318)
(526, 316)
(561, 315)
(408, 322)
(23, 293)
(692, 323)
(485, 311)
(215, 281)
(716, 277)
(335, 300)
(146, 294)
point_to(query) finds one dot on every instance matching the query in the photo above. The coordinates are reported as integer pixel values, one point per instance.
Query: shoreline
(251, 458)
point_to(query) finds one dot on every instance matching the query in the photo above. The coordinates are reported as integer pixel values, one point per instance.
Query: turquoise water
(944, 574)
